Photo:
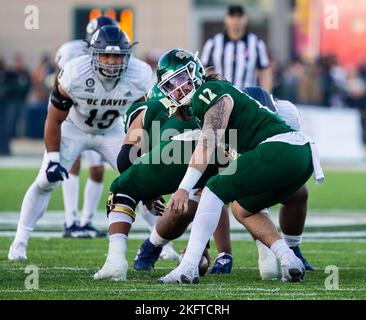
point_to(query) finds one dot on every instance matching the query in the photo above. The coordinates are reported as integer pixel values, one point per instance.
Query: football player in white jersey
(85, 112)
(94, 185)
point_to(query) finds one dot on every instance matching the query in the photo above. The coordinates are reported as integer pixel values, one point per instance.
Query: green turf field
(66, 268)
(342, 190)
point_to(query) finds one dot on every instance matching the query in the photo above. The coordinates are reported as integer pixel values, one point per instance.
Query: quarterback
(85, 113)
(273, 162)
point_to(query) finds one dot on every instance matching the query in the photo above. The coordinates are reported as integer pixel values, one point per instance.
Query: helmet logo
(92, 26)
(94, 37)
(182, 54)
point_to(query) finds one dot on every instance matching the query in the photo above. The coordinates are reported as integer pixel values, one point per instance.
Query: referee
(237, 55)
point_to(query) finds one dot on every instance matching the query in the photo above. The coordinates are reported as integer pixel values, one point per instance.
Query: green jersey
(157, 122)
(253, 122)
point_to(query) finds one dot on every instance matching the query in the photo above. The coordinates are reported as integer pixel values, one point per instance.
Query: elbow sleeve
(127, 155)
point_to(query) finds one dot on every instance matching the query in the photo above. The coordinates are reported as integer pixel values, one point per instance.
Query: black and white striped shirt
(236, 61)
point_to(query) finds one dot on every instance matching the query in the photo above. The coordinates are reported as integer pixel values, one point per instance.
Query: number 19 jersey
(96, 110)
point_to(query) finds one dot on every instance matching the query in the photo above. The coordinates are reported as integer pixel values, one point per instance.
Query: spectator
(19, 86)
(289, 83)
(356, 97)
(5, 127)
(39, 75)
(309, 87)
(37, 111)
(238, 55)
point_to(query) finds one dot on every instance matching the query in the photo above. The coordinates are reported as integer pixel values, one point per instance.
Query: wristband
(53, 156)
(190, 179)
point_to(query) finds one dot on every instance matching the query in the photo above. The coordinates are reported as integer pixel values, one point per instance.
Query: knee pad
(121, 203)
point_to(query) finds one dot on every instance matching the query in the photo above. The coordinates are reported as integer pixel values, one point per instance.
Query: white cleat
(268, 265)
(293, 270)
(115, 268)
(17, 251)
(168, 253)
(181, 275)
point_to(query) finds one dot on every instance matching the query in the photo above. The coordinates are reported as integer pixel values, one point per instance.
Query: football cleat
(297, 251)
(146, 256)
(293, 270)
(268, 265)
(168, 252)
(115, 268)
(182, 274)
(75, 231)
(17, 251)
(222, 264)
(93, 232)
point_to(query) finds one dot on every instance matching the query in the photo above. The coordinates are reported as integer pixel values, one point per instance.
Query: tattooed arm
(214, 126)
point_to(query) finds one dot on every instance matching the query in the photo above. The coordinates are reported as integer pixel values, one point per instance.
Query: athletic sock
(156, 240)
(34, 204)
(282, 250)
(70, 191)
(92, 193)
(117, 244)
(292, 241)
(204, 225)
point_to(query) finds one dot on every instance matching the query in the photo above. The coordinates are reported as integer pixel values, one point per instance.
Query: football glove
(56, 172)
(156, 206)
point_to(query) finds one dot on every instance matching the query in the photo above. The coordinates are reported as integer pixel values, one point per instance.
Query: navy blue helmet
(262, 96)
(97, 23)
(110, 49)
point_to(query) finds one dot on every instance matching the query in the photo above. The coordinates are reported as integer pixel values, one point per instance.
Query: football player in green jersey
(273, 162)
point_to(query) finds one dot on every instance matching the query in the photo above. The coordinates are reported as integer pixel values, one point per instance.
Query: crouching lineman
(157, 172)
(273, 162)
(85, 112)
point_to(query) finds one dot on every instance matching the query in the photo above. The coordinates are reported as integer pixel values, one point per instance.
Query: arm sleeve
(127, 155)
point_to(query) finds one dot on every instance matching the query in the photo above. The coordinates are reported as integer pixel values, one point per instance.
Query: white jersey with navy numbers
(96, 110)
(69, 51)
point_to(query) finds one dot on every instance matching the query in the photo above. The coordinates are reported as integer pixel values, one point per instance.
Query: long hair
(212, 76)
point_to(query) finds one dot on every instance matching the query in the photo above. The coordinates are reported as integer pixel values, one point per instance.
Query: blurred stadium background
(316, 48)
(317, 51)
(318, 58)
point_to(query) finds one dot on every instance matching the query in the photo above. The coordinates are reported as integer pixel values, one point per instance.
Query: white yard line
(336, 237)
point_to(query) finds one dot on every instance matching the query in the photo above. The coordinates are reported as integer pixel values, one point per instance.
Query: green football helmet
(180, 73)
(155, 92)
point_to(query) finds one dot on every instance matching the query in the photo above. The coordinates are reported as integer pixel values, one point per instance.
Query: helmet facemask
(108, 70)
(175, 84)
